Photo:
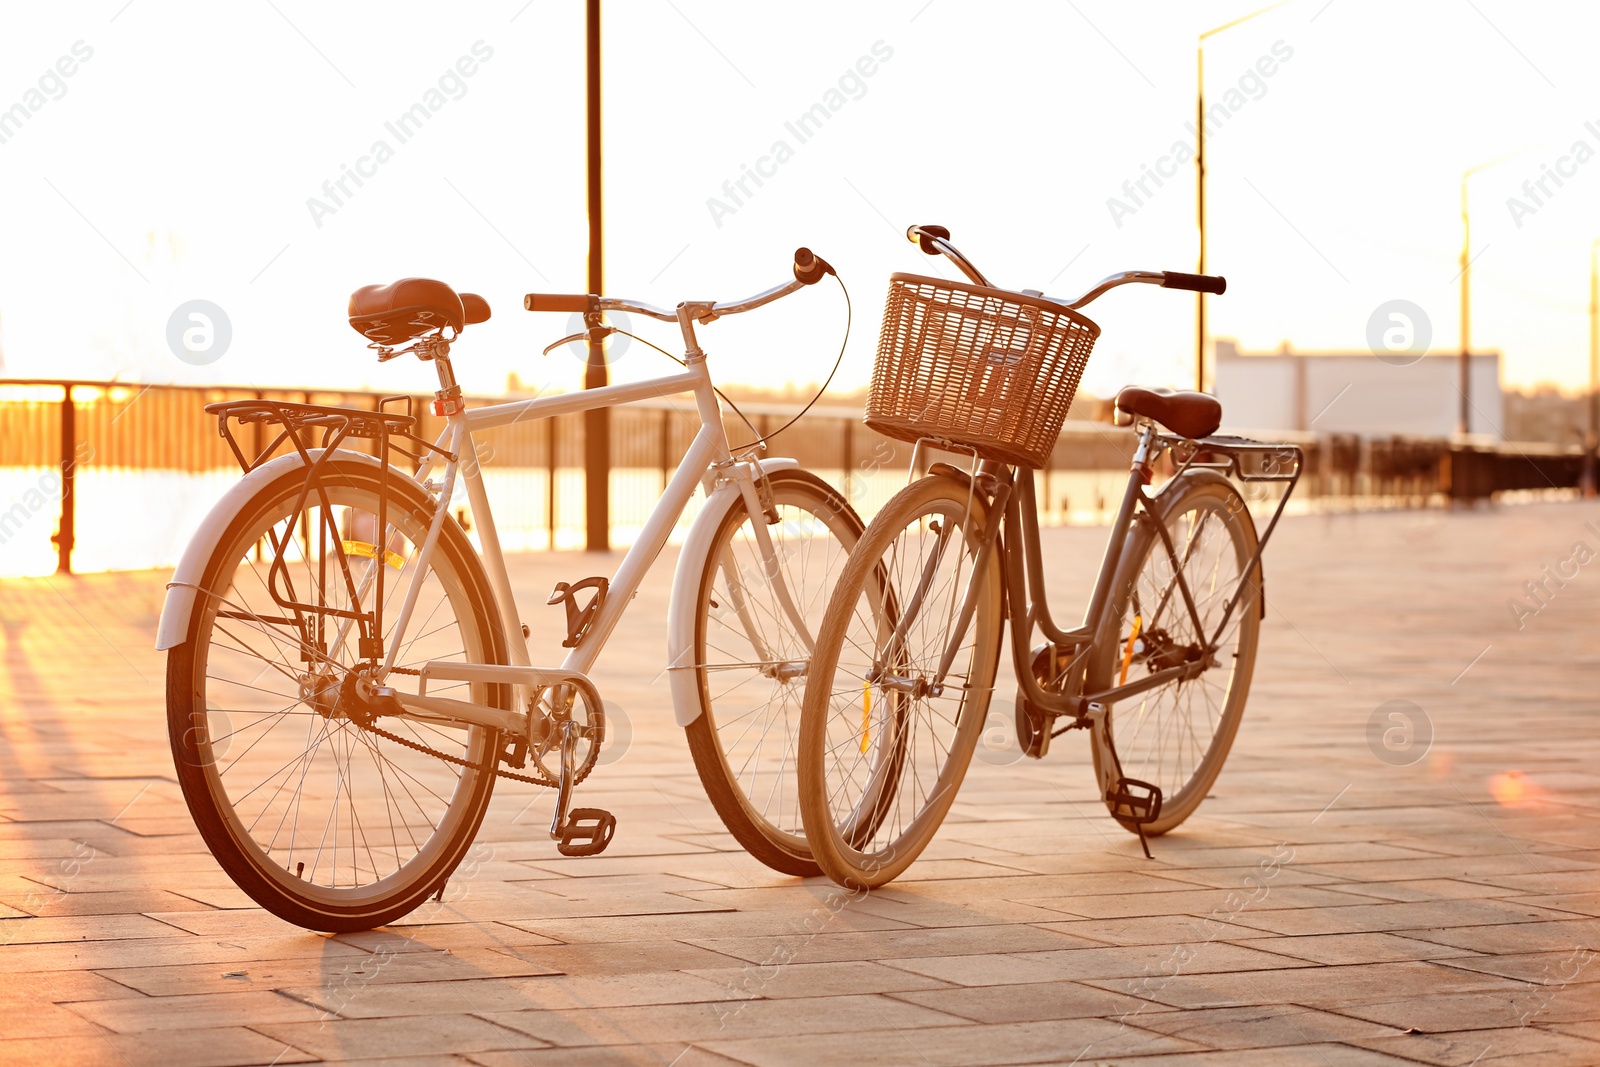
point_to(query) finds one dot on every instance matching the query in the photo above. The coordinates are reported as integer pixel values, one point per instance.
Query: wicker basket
(986, 369)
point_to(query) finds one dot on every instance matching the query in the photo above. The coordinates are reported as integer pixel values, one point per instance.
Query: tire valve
(300, 870)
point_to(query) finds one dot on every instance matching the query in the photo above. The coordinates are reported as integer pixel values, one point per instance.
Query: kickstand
(1130, 800)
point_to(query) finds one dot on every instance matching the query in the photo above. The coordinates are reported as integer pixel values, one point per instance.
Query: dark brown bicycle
(904, 667)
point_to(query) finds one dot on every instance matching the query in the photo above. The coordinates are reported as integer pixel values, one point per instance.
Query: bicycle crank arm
(580, 831)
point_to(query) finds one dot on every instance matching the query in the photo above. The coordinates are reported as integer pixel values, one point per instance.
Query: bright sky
(176, 162)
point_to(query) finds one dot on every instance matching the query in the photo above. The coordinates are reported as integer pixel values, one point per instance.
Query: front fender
(681, 622)
(183, 589)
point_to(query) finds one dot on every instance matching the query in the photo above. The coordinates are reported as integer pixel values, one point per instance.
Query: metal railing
(55, 434)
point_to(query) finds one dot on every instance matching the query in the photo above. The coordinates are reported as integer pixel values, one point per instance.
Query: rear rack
(299, 422)
(1226, 454)
(313, 426)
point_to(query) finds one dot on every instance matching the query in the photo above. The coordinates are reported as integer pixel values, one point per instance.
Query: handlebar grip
(919, 236)
(582, 302)
(1196, 283)
(809, 267)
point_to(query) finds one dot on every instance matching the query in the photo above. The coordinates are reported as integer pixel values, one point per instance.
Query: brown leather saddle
(1186, 414)
(405, 310)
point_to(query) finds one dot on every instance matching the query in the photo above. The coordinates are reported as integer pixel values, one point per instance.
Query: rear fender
(183, 589)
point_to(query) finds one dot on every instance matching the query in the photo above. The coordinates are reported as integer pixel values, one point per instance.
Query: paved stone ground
(1335, 903)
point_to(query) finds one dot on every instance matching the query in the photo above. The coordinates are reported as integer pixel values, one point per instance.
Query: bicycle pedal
(586, 832)
(1137, 802)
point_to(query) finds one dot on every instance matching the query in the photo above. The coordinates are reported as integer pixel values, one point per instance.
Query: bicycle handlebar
(935, 240)
(558, 302)
(1214, 284)
(809, 269)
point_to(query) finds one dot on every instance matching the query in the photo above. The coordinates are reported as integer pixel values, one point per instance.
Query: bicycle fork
(989, 539)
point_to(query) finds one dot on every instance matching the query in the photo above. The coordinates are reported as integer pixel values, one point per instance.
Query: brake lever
(592, 336)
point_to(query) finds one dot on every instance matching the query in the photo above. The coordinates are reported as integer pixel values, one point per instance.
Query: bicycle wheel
(322, 820)
(751, 662)
(1177, 736)
(883, 746)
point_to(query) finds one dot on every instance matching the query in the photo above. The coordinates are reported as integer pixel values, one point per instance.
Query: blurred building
(1355, 393)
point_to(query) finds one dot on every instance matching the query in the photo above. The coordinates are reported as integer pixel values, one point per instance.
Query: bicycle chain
(419, 747)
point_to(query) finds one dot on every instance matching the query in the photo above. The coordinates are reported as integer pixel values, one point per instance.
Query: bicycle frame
(1027, 604)
(707, 460)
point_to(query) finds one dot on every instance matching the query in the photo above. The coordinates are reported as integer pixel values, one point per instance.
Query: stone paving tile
(99, 929)
(1260, 1026)
(1152, 929)
(112, 903)
(1055, 1041)
(236, 975)
(1582, 881)
(207, 1010)
(1324, 986)
(1581, 903)
(1490, 1048)
(1231, 876)
(1086, 963)
(1445, 1012)
(1029, 1002)
(730, 1020)
(1541, 968)
(45, 1020)
(231, 1047)
(1365, 917)
(1318, 1055)
(892, 945)
(1351, 948)
(1513, 937)
(696, 928)
(342, 1039)
(479, 996)
(1465, 868)
(1589, 1028)
(624, 957)
(59, 987)
(161, 951)
(438, 927)
(1421, 889)
(1304, 899)
(934, 913)
(668, 1055)
(814, 979)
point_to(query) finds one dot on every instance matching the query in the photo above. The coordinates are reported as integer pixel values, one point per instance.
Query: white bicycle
(347, 676)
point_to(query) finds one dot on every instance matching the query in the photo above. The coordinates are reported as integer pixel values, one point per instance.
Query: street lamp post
(1200, 179)
(597, 422)
(1594, 342)
(1464, 386)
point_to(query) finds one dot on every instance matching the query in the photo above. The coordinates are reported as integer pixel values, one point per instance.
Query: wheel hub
(1161, 652)
(320, 690)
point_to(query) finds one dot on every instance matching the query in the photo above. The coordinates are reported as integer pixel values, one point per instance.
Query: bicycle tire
(867, 819)
(1177, 736)
(751, 780)
(206, 689)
